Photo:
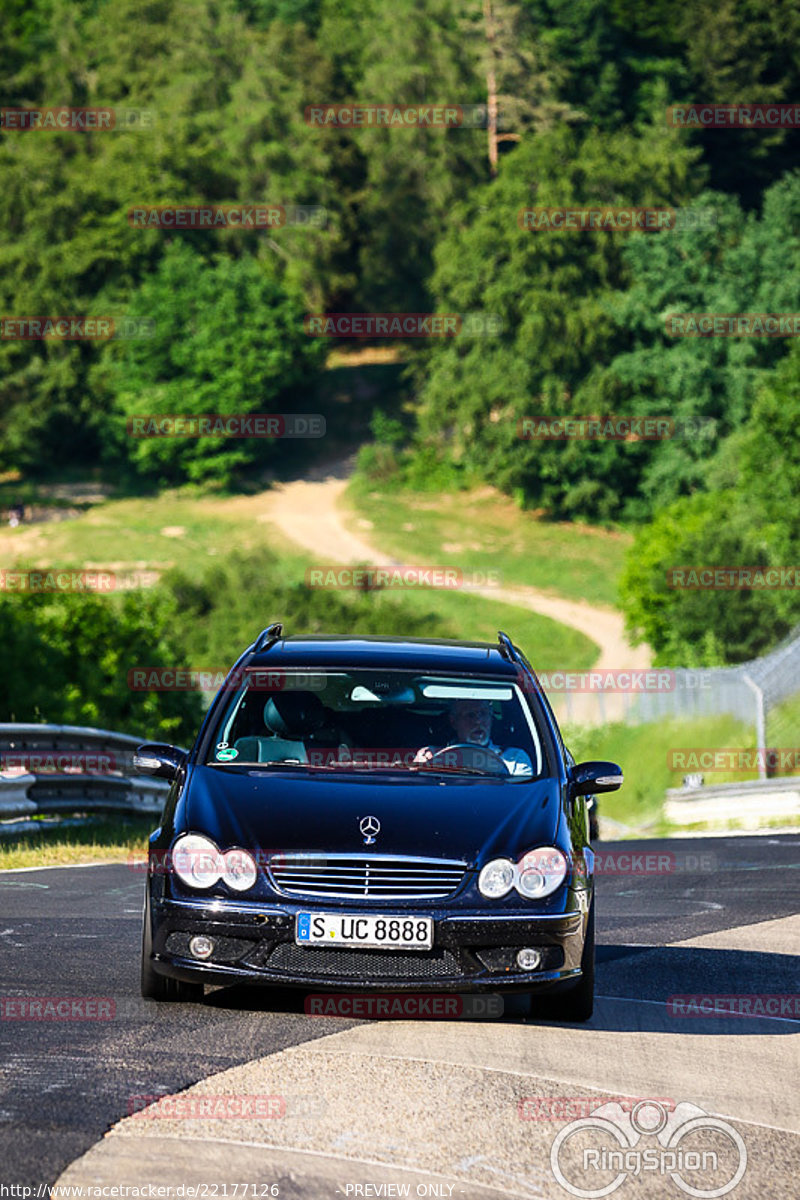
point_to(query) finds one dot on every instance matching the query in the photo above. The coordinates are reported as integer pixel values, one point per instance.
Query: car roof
(347, 650)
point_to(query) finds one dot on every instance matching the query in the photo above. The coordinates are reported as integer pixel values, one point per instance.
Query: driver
(472, 723)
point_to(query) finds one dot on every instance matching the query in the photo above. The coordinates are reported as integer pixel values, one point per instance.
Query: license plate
(354, 929)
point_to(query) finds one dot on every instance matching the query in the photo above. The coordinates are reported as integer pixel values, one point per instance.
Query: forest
(561, 106)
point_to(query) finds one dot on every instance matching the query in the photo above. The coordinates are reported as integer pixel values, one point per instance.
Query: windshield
(366, 720)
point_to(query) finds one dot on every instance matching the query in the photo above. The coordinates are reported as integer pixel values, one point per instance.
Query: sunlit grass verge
(482, 530)
(97, 839)
(642, 750)
(783, 728)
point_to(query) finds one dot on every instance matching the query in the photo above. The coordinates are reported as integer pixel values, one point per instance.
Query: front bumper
(472, 951)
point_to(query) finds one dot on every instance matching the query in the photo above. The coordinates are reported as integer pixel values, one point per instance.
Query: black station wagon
(373, 813)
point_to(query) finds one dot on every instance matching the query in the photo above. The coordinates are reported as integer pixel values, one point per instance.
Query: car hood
(470, 820)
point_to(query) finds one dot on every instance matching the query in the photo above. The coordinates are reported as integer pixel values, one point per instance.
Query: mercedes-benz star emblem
(370, 827)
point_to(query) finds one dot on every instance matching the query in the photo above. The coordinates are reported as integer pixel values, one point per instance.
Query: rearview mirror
(590, 778)
(156, 758)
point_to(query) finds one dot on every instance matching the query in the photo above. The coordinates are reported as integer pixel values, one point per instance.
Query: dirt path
(310, 513)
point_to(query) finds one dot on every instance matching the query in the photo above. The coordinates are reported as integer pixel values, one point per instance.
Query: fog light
(201, 946)
(528, 960)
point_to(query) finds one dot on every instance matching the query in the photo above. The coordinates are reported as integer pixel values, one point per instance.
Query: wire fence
(752, 692)
(748, 691)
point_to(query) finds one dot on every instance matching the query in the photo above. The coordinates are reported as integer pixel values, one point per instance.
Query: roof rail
(507, 647)
(267, 636)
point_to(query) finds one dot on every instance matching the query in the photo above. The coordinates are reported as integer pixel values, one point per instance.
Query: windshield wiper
(272, 762)
(439, 768)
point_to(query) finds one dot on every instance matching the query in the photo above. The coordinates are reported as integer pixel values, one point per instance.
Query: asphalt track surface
(722, 923)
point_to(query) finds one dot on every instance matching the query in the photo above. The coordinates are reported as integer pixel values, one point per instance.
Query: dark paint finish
(275, 811)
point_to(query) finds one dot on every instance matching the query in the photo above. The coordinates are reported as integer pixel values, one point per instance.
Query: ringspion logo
(594, 1155)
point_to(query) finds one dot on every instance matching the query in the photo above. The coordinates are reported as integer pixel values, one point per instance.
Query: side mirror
(590, 778)
(156, 758)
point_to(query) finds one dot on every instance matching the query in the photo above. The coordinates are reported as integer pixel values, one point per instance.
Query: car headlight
(197, 861)
(497, 878)
(540, 872)
(239, 870)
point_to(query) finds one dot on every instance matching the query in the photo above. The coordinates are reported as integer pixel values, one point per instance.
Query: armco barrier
(748, 805)
(28, 792)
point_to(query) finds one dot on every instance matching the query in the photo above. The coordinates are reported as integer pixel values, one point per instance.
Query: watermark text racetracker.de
(734, 116)
(627, 680)
(403, 325)
(209, 679)
(744, 324)
(734, 759)
(786, 1006)
(68, 119)
(59, 762)
(57, 1008)
(227, 216)
(71, 328)
(614, 220)
(570, 1108)
(369, 578)
(614, 428)
(225, 1106)
(63, 579)
(442, 1006)
(57, 579)
(731, 579)
(398, 116)
(227, 425)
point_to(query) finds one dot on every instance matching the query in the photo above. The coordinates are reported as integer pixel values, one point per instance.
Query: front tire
(159, 987)
(576, 1005)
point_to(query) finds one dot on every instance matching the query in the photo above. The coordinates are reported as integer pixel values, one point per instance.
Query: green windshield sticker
(226, 755)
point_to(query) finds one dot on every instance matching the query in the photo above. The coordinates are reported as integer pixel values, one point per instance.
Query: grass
(783, 728)
(479, 619)
(642, 750)
(99, 839)
(146, 535)
(483, 530)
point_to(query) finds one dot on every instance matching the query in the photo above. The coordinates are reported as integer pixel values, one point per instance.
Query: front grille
(361, 876)
(363, 965)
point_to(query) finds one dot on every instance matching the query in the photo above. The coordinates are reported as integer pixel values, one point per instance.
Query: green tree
(229, 339)
(413, 176)
(69, 656)
(552, 292)
(698, 626)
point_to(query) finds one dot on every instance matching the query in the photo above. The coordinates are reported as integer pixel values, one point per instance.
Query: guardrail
(753, 804)
(72, 768)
